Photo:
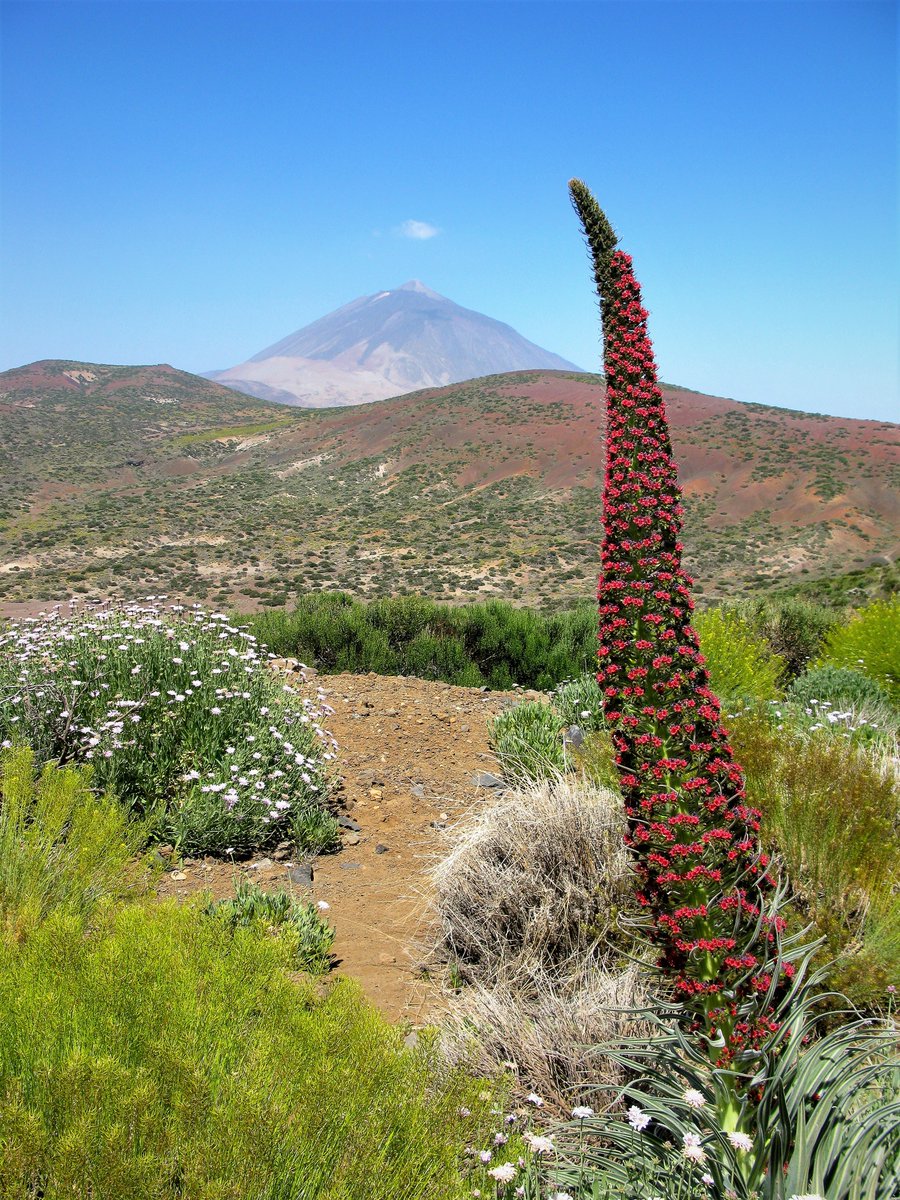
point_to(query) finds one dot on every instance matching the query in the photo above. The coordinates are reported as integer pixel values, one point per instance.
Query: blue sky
(188, 182)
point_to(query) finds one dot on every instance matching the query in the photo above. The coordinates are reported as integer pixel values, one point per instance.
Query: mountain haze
(385, 345)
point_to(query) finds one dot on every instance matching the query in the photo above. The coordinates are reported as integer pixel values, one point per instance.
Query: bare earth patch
(409, 760)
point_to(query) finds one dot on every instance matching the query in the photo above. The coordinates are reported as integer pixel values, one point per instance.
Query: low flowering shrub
(702, 875)
(844, 698)
(179, 715)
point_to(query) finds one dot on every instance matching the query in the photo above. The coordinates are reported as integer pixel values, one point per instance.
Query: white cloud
(420, 231)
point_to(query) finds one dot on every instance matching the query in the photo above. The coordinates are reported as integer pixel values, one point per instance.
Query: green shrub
(528, 742)
(296, 920)
(794, 629)
(838, 695)
(431, 657)
(165, 1056)
(62, 849)
(870, 643)
(740, 664)
(469, 645)
(180, 717)
(830, 809)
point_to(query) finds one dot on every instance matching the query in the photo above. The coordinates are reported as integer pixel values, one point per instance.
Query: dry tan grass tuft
(534, 879)
(549, 1032)
(527, 904)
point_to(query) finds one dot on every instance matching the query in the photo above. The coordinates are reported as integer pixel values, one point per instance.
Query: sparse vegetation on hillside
(146, 480)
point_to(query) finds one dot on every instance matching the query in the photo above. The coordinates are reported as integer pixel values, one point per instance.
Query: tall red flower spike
(694, 838)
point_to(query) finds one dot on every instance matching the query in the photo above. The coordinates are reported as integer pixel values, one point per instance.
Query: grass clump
(527, 906)
(297, 921)
(830, 809)
(544, 869)
(179, 715)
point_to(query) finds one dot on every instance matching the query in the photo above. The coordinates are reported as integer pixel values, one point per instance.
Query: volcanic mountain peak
(385, 345)
(416, 285)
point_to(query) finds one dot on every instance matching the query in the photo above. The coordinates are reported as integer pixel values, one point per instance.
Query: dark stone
(379, 849)
(302, 874)
(348, 823)
(486, 779)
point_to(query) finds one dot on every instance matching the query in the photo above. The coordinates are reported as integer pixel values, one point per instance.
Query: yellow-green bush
(741, 665)
(164, 1056)
(62, 849)
(152, 1052)
(870, 643)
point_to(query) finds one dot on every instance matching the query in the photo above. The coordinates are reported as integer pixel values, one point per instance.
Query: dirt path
(409, 760)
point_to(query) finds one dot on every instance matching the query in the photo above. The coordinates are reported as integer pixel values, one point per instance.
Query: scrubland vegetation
(152, 1050)
(533, 921)
(669, 975)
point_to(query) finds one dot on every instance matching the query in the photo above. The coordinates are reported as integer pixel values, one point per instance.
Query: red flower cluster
(702, 876)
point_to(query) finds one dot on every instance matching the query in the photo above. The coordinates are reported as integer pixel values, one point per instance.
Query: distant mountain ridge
(140, 480)
(385, 345)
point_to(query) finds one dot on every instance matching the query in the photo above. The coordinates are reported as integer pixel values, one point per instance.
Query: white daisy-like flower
(535, 1099)
(637, 1118)
(694, 1099)
(582, 1112)
(692, 1149)
(540, 1145)
(503, 1172)
(741, 1141)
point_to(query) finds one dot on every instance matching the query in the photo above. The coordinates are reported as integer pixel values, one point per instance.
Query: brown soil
(410, 753)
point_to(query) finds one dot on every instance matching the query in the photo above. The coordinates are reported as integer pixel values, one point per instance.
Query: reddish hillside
(153, 479)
